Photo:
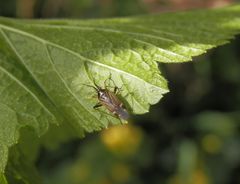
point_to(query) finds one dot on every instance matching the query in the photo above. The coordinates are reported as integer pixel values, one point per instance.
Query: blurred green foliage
(191, 137)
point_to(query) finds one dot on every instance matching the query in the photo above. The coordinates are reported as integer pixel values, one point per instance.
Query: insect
(110, 100)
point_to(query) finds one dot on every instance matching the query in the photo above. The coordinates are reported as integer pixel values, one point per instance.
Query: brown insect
(110, 100)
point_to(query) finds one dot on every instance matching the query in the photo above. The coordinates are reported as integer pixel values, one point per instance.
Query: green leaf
(3, 179)
(44, 65)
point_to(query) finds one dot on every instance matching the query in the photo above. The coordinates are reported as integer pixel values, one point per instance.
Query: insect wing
(110, 101)
(114, 99)
(116, 107)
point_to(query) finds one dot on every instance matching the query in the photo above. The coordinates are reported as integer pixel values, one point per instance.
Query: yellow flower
(122, 139)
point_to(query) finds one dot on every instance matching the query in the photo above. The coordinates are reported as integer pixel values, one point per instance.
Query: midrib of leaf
(165, 53)
(110, 29)
(184, 58)
(92, 27)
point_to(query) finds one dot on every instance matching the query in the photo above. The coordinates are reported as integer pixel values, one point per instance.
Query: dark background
(191, 137)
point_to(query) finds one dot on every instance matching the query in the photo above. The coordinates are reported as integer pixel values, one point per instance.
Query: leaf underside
(45, 64)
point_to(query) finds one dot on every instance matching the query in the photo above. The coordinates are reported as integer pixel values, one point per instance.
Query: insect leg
(105, 82)
(97, 105)
(109, 79)
(117, 90)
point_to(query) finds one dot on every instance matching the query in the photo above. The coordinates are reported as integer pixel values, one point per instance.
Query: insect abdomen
(122, 113)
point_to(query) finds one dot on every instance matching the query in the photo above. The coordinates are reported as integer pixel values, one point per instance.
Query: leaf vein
(78, 55)
(26, 89)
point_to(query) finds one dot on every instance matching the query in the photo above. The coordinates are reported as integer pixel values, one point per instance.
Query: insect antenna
(95, 86)
(91, 86)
